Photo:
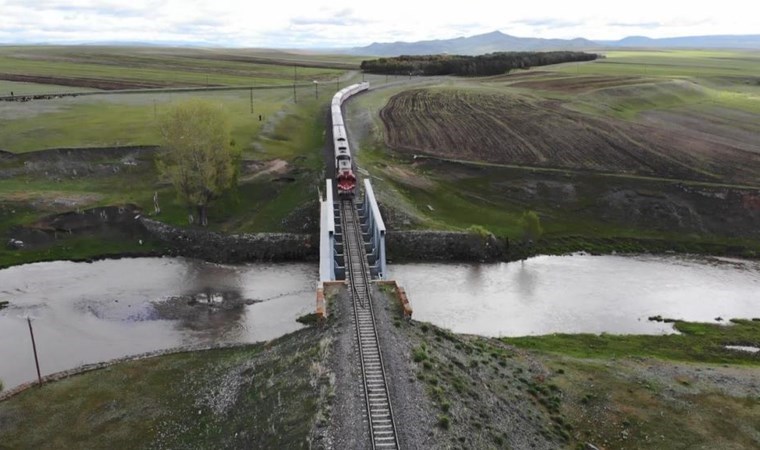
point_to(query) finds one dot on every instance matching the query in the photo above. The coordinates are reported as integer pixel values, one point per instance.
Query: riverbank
(450, 390)
(266, 395)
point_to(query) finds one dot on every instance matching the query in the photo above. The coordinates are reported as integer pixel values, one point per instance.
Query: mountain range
(499, 42)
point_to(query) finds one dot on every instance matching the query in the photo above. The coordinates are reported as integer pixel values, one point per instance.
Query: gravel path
(348, 425)
(412, 410)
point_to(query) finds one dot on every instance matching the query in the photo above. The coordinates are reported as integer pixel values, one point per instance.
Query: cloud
(644, 25)
(549, 22)
(340, 18)
(344, 23)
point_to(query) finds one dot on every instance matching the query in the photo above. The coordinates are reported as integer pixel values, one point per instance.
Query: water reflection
(525, 280)
(474, 276)
(93, 312)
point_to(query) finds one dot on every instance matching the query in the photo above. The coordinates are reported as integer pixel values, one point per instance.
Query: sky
(340, 23)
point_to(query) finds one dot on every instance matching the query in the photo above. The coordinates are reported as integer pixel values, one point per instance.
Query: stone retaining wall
(235, 248)
(444, 246)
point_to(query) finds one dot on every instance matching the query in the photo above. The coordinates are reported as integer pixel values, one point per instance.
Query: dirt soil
(71, 163)
(518, 130)
(105, 84)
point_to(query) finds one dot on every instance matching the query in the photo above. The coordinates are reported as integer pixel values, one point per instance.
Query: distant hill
(751, 41)
(499, 42)
(473, 45)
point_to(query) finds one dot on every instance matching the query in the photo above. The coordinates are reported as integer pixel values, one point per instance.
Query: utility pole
(251, 100)
(34, 348)
(155, 112)
(316, 89)
(295, 80)
(337, 83)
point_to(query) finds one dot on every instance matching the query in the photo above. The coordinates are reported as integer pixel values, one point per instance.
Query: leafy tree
(196, 155)
(531, 225)
(470, 66)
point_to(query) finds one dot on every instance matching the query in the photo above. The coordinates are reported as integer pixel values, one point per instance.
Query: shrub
(480, 231)
(419, 354)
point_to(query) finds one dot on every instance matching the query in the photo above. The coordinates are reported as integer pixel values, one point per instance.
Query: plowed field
(513, 129)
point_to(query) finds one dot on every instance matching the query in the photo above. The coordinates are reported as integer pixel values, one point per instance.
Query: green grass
(81, 248)
(172, 66)
(174, 402)
(698, 342)
(293, 133)
(686, 78)
(627, 102)
(118, 120)
(670, 63)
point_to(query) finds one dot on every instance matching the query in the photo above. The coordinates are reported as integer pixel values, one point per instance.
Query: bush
(444, 421)
(419, 354)
(531, 226)
(479, 230)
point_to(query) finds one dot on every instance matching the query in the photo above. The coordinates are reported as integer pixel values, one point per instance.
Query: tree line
(470, 66)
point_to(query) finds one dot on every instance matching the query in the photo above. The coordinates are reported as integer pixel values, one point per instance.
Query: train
(344, 171)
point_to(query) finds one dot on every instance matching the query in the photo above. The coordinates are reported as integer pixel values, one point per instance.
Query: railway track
(382, 427)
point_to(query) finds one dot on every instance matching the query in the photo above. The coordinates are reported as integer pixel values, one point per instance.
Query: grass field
(465, 152)
(169, 67)
(692, 122)
(280, 133)
(118, 120)
(710, 65)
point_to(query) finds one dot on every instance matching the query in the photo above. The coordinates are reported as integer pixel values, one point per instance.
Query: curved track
(382, 427)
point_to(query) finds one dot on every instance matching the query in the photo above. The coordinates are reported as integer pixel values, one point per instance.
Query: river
(580, 293)
(85, 313)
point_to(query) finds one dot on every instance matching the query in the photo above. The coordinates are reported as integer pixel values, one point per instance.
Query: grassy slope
(612, 391)
(722, 78)
(685, 81)
(290, 132)
(117, 120)
(698, 342)
(259, 396)
(256, 205)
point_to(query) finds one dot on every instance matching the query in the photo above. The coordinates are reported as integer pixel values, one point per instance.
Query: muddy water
(85, 313)
(580, 294)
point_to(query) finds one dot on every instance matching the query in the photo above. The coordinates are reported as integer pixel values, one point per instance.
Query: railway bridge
(352, 250)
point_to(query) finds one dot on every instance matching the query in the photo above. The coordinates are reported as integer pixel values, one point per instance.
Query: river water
(85, 313)
(580, 293)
